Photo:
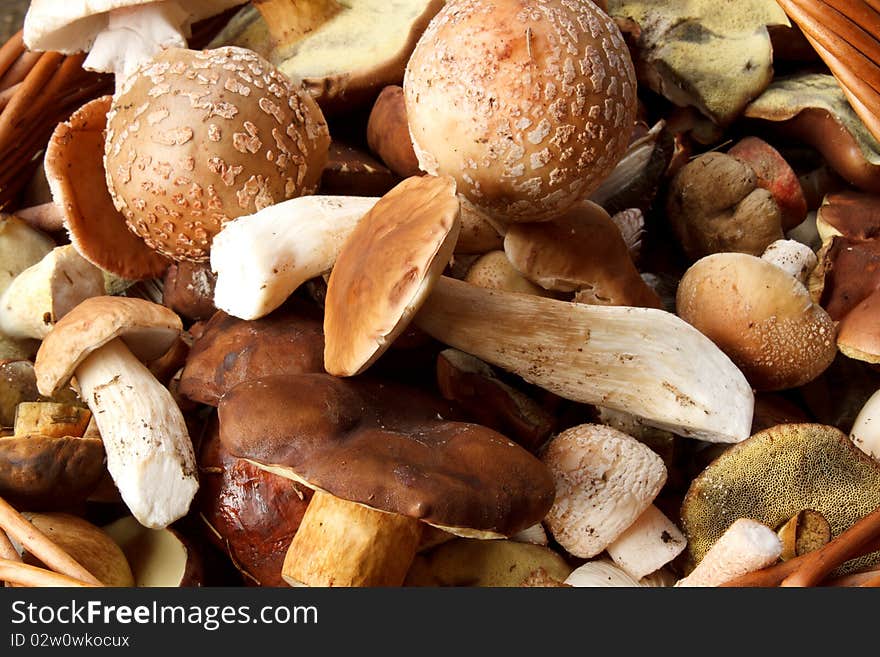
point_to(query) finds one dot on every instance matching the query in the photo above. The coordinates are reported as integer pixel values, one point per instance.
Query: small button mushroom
(198, 138)
(494, 271)
(526, 113)
(149, 451)
(404, 463)
(388, 133)
(760, 316)
(605, 480)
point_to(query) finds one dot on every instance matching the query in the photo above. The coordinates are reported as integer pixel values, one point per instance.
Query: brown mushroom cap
(528, 105)
(351, 171)
(858, 334)
(760, 316)
(777, 473)
(387, 447)
(75, 170)
(188, 289)
(386, 269)
(148, 329)
(198, 138)
(231, 350)
(582, 248)
(42, 472)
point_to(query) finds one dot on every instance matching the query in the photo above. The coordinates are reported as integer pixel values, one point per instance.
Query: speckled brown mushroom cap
(198, 138)
(528, 104)
(75, 170)
(387, 447)
(231, 350)
(760, 316)
(777, 473)
(147, 328)
(386, 269)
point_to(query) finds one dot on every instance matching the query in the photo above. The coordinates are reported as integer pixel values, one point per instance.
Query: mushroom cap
(858, 335)
(760, 316)
(582, 248)
(777, 473)
(148, 330)
(851, 214)
(198, 138)
(75, 171)
(71, 26)
(188, 289)
(360, 441)
(42, 472)
(231, 350)
(386, 269)
(529, 105)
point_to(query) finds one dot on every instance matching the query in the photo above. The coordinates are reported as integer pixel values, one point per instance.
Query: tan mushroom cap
(386, 270)
(528, 105)
(75, 171)
(858, 334)
(198, 138)
(581, 249)
(777, 473)
(760, 316)
(148, 330)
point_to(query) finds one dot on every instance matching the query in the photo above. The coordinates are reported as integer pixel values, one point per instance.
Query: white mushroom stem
(651, 542)
(43, 293)
(134, 35)
(149, 451)
(600, 573)
(745, 547)
(262, 258)
(643, 361)
(865, 432)
(793, 257)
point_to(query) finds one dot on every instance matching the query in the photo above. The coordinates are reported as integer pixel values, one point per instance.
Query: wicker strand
(19, 69)
(11, 51)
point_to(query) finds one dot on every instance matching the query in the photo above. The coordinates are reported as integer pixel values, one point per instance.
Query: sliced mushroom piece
(604, 481)
(746, 546)
(580, 251)
(404, 464)
(149, 452)
(51, 419)
(600, 573)
(158, 557)
(647, 545)
(260, 259)
(778, 473)
(805, 532)
(45, 292)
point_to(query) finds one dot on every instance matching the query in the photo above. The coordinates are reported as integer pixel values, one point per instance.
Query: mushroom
(759, 315)
(19, 384)
(119, 33)
(605, 480)
(581, 251)
(388, 133)
(74, 165)
(230, 351)
(648, 544)
(746, 546)
(198, 138)
(774, 475)
(641, 360)
(149, 452)
(262, 258)
(51, 419)
(865, 433)
(188, 289)
(527, 108)
(344, 52)
(600, 573)
(804, 532)
(478, 234)
(45, 292)
(404, 463)
(494, 271)
(351, 171)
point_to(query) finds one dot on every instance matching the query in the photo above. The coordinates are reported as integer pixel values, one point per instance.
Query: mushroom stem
(341, 543)
(149, 452)
(643, 361)
(864, 433)
(792, 257)
(262, 258)
(47, 217)
(290, 20)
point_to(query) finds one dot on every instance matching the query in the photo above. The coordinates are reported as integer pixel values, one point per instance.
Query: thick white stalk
(149, 451)
(262, 258)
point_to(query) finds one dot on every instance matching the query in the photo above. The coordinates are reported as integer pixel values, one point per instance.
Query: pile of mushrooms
(462, 308)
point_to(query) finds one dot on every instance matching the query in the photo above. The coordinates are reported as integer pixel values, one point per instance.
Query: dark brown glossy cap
(388, 447)
(229, 350)
(851, 214)
(850, 271)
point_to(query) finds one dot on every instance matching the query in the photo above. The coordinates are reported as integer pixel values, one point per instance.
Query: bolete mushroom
(388, 133)
(761, 316)
(149, 453)
(641, 360)
(403, 463)
(528, 106)
(777, 473)
(198, 138)
(648, 544)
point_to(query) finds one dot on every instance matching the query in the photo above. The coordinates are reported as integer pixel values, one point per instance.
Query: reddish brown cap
(231, 350)
(858, 334)
(387, 447)
(75, 171)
